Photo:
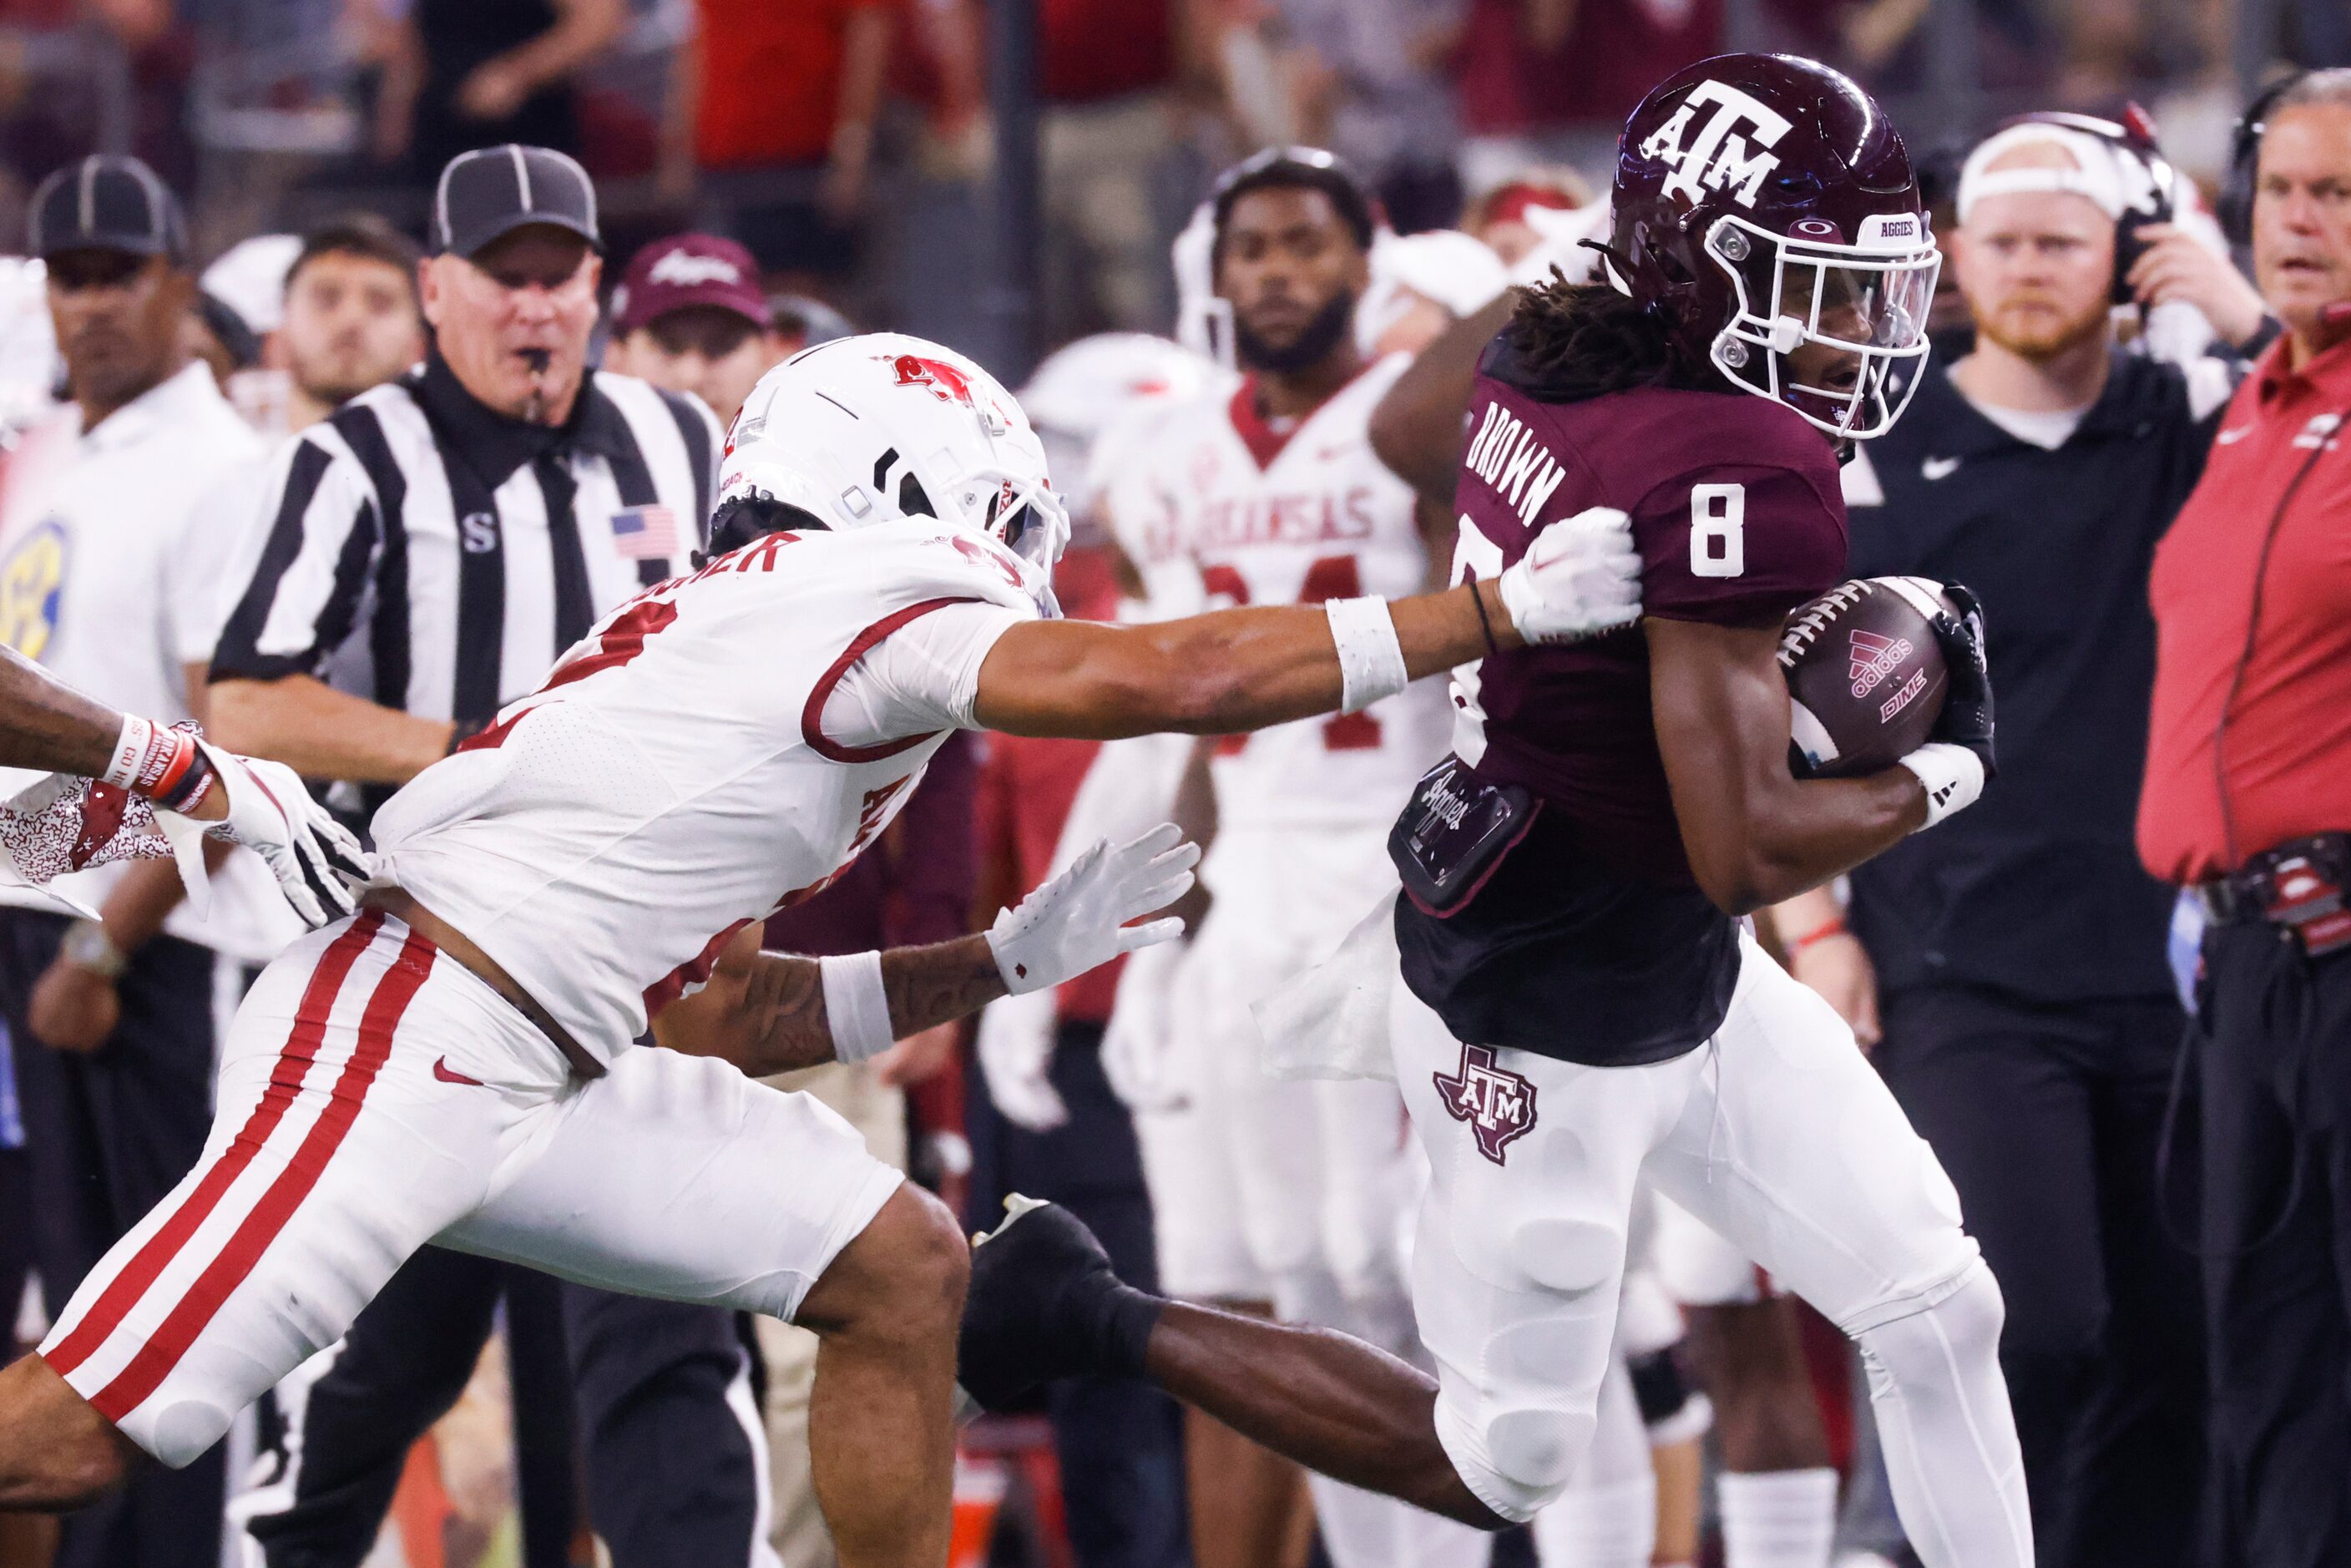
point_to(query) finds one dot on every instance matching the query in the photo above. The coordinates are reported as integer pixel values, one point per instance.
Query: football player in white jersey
(457, 1062)
(1278, 499)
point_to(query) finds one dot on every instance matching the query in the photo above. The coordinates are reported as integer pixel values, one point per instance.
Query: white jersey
(1296, 520)
(1133, 471)
(720, 746)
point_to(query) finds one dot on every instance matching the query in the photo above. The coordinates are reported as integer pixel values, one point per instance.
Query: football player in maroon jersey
(1570, 1002)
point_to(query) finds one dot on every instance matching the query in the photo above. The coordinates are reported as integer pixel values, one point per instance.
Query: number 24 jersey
(1297, 516)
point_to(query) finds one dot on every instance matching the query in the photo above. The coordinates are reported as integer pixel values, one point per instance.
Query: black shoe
(1044, 1303)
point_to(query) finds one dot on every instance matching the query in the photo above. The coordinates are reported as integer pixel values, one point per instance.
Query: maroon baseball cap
(688, 269)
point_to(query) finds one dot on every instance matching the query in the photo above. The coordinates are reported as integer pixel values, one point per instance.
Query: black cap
(108, 202)
(493, 190)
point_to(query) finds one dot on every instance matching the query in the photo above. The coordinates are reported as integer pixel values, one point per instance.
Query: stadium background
(1005, 177)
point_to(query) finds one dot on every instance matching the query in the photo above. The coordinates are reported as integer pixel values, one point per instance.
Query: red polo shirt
(2248, 746)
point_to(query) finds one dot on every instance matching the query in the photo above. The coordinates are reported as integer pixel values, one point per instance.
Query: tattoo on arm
(782, 1014)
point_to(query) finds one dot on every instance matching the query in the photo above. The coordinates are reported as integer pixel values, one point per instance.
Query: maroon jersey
(1588, 938)
(1737, 515)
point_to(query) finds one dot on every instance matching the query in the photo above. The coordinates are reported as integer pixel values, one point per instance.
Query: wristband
(1953, 775)
(1484, 625)
(149, 758)
(856, 1005)
(1371, 660)
(1833, 927)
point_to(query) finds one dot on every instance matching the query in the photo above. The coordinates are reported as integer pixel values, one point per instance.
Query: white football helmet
(874, 428)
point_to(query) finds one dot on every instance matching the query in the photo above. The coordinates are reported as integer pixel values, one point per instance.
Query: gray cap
(106, 202)
(492, 191)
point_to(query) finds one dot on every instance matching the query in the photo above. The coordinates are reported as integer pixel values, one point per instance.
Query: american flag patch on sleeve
(645, 533)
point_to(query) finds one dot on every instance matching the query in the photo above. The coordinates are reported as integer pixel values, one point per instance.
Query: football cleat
(1044, 1303)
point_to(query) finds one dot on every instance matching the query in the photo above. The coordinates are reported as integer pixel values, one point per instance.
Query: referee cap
(491, 192)
(107, 201)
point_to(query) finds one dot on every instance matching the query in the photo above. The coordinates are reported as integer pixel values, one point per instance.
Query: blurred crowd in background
(850, 143)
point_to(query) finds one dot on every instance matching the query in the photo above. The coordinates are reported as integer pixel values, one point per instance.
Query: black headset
(2132, 137)
(2234, 205)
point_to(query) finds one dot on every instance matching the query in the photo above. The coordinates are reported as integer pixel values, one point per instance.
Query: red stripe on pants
(189, 1315)
(293, 1062)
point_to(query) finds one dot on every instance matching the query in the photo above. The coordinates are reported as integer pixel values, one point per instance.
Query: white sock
(1777, 1518)
(1609, 1526)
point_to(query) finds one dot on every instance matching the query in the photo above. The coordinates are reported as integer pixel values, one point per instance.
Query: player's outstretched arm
(1235, 670)
(47, 724)
(773, 1012)
(1754, 832)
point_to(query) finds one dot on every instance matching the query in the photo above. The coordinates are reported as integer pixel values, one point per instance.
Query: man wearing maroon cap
(689, 317)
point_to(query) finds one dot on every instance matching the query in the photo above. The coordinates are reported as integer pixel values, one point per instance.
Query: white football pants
(1777, 1135)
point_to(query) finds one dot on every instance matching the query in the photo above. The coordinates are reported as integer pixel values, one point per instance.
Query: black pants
(670, 1471)
(1119, 1440)
(2276, 1068)
(2048, 1120)
(107, 1134)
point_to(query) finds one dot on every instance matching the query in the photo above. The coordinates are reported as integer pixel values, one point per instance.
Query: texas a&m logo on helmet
(1706, 145)
(1498, 1104)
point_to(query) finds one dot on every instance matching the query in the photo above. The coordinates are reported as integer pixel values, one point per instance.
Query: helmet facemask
(1864, 303)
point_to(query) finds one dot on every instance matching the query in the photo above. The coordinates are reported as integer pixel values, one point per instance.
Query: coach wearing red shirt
(2248, 801)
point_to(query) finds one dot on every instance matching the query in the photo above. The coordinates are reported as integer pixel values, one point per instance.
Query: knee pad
(1515, 1461)
(1961, 1325)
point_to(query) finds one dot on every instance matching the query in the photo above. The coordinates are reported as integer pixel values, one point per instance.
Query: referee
(420, 558)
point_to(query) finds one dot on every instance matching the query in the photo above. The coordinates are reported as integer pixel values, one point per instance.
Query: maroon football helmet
(1763, 203)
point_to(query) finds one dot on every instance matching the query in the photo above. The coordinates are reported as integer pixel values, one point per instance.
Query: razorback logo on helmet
(1715, 154)
(948, 384)
(945, 383)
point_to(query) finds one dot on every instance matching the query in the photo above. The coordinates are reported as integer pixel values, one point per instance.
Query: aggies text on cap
(493, 190)
(107, 201)
(689, 269)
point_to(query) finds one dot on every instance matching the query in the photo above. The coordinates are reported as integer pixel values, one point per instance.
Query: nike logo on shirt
(1939, 468)
(448, 1074)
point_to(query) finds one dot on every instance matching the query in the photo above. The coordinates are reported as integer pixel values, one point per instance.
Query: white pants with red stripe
(375, 1096)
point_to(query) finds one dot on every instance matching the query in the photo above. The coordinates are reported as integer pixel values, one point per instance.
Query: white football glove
(1138, 1048)
(319, 866)
(1078, 921)
(1016, 1057)
(1581, 575)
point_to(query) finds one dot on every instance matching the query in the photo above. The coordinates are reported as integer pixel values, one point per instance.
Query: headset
(2150, 185)
(2234, 204)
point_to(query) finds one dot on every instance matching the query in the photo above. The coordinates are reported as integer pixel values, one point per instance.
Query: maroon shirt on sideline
(1589, 940)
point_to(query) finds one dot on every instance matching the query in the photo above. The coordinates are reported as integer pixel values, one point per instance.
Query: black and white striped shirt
(420, 551)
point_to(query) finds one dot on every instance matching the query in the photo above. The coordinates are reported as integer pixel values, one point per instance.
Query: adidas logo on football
(1875, 657)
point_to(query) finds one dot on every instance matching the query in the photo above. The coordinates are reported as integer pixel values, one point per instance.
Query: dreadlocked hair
(1578, 340)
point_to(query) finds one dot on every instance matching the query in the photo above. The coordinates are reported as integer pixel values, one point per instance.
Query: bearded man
(2015, 963)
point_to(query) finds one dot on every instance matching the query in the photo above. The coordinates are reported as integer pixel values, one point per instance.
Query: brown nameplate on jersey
(1454, 833)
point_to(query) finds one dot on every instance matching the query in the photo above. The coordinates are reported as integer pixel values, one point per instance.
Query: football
(1865, 675)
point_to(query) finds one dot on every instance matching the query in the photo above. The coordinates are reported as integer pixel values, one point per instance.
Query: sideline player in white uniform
(1280, 500)
(457, 1062)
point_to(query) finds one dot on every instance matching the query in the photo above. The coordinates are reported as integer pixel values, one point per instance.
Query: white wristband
(132, 748)
(856, 1005)
(1953, 775)
(1371, 660)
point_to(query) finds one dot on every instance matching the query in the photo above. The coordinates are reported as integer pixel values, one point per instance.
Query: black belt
(2299, 885)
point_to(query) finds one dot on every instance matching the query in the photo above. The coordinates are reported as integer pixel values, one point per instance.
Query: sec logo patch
(32, 582)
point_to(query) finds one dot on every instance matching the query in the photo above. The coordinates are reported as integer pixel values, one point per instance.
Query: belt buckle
(2300, 895)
